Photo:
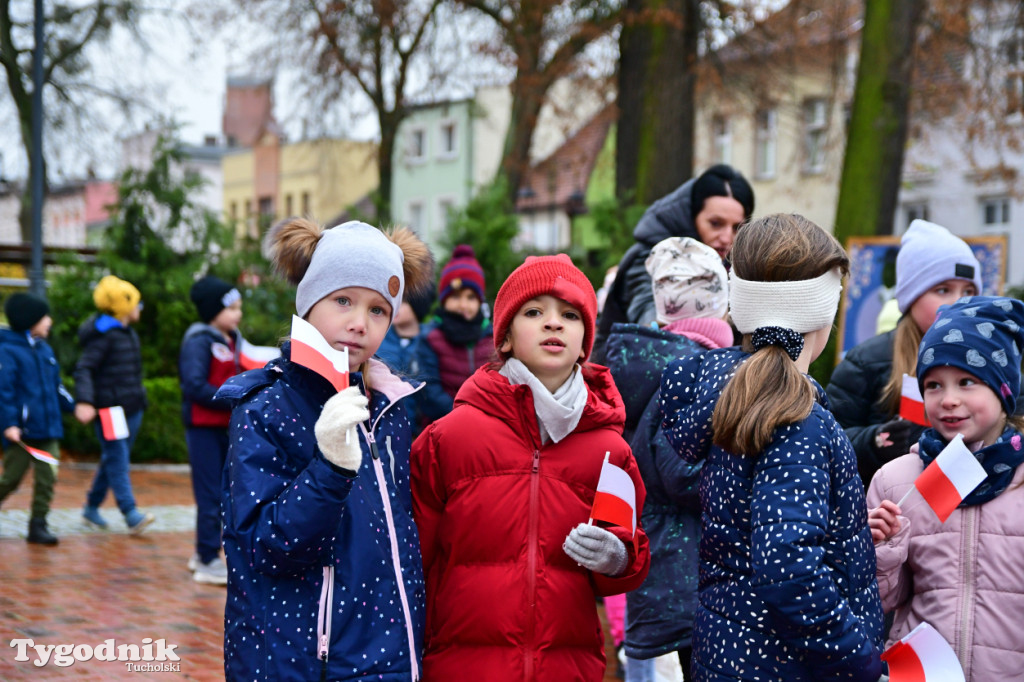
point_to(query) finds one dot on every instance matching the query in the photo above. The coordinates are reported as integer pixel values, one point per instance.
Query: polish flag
(911, 402)
(311, 350)
(41, 455)
(923, 656)
(615, 500)
(254, 357)
(114, 425)
(953, 475)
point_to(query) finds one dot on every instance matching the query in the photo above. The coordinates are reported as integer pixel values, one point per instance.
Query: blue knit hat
(982, 335)
(930, 254)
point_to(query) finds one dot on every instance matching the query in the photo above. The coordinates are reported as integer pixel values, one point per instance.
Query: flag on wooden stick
(615, 500)
(911, 402)
(311, 350)
(923, 656)
(954, 475)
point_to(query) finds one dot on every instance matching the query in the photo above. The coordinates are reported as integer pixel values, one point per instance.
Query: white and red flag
(615, 500)
(911, 402)
(113, 423)
(954, 474)
(311, 350)
(41, 455)
(254, 357)
(923, 656)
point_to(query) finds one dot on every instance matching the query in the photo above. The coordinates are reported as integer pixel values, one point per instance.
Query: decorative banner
(311, 350)
(923, 656)
(911, 402)
(115, 427)
(615, 500)
(254, 357)
(41, 455)
(953, 475)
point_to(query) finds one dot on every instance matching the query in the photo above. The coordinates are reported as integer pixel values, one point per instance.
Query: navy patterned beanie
(982, 335)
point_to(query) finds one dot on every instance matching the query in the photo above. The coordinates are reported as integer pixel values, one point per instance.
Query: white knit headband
(803, 306)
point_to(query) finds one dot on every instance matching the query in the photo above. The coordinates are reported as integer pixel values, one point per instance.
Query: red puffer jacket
(493, 507)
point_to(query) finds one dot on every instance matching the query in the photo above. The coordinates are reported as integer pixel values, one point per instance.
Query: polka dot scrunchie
(790, 341)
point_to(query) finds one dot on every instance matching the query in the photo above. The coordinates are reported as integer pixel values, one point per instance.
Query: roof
(800, 24)
(561, 179)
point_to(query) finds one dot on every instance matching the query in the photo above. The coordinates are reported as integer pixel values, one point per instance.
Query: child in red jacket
(512, 564)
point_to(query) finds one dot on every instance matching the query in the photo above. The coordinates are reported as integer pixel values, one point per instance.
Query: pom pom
(290, 245)
(463, 251)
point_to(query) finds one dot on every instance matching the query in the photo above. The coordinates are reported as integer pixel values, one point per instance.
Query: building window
(445, 207)
(915, 212)
(722, 139)
(306, 205)
(815, 123)
(765, 143)
(288, 205)
(448, 144)
(1013, 54)
(415, 214)
(416, 144)
(234, 210)
(995, 211)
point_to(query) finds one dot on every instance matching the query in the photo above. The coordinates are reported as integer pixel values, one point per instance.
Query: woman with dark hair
(709, 208)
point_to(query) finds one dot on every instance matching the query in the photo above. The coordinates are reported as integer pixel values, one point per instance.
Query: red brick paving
(100, 586)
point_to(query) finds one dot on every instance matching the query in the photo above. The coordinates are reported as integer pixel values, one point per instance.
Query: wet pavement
(98, 585)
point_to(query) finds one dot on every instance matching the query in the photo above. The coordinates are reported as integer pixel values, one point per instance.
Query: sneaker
(138, 522)
(92, 518)
(193, 562)
(213, 573)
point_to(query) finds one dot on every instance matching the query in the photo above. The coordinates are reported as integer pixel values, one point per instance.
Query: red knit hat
(463, 271)
(539, 275)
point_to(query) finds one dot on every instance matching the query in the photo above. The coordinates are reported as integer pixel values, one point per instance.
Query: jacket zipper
(531, 564)
(323, 621)
(382, 486)
(969, 521)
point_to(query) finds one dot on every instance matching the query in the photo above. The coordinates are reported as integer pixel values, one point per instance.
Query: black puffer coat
(631, 298)
(109, 371)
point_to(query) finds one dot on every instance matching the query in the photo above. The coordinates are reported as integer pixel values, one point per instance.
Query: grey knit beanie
(352, 254)
(930, 254)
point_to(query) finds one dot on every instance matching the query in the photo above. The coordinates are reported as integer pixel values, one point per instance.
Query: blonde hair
(906, 343)
(768, 391)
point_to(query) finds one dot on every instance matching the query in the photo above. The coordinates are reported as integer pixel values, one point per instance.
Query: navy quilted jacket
(787, 567)
(294, 522)
(32, 395)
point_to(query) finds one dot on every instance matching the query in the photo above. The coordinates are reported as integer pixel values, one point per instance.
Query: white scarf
(558, 413)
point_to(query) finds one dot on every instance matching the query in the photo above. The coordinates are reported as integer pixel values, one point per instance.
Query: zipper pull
(536, 461)
(373, 445)
(323, 647)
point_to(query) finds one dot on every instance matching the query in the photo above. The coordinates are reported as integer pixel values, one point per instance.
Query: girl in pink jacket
(964, 577)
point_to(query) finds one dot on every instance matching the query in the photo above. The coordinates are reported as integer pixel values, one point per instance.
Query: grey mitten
(340, 414)
(596, 549)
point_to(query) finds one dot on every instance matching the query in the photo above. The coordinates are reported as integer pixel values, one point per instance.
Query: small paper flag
(114, 425)
(311, 350)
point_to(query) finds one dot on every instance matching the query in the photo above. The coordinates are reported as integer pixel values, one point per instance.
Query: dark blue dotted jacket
(787, 567)
(290, 517)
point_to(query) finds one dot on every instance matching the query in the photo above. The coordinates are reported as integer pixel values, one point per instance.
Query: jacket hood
(203, 328)
(491, 393)
(8, 335)
(97, 324)
(669, 216)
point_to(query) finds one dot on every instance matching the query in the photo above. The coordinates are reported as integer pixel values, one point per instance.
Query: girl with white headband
(787, 588)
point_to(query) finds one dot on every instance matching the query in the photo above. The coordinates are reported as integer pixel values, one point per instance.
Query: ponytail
(767, 391)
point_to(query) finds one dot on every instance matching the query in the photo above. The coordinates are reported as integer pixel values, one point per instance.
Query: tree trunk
(389, 123)
(873, 162)
(528, 93)
(657, 76)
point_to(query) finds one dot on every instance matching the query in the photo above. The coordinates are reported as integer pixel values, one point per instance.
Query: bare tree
(70, 28)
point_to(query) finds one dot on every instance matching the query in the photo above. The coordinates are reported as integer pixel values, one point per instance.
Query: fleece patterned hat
(930, 254)
(982, 335)
(212, 295)
(463, 271)
(115, 296)
(539, 275)
(689, 280)
(353, 254)
(24, 310)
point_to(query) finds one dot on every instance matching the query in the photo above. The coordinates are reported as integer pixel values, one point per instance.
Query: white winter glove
(596, 549)
(341, 413)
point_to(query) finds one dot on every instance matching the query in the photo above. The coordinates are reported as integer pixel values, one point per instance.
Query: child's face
(355, 318)
(958, 402)
(546, 335)
(227, 319)
(41, 329)
(922, 311)
(463, 302)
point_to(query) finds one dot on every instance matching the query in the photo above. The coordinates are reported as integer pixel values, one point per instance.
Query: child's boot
(38, 533)
(92, 517)
(138, 522)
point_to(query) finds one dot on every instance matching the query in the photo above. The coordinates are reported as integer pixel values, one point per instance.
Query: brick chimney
(248, 111)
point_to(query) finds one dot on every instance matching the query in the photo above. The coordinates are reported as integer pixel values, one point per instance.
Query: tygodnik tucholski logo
(149, 656)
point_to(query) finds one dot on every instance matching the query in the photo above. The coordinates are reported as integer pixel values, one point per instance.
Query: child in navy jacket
(31, 399)
(210, 355)
(325, 578)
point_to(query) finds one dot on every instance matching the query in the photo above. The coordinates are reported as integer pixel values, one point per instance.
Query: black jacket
(631, 298)
(109, 371)
(853, 393)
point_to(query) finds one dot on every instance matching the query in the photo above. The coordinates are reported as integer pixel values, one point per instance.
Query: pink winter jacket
(965, 577)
